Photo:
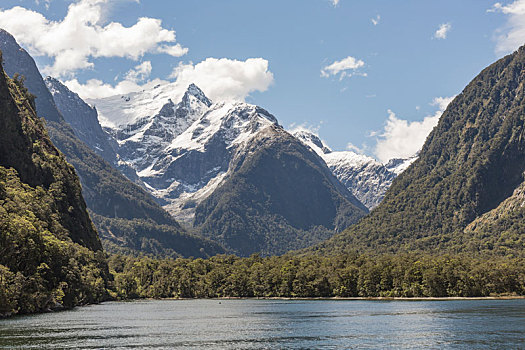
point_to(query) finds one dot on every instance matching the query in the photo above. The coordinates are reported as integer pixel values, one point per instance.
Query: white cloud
(226, 79)
(401, 138)
(335, 2)
(356, 149)
(79, 37)
(442, 31)
(305, 127)
(140, 72)
(513, 34)
(375, 20)
(220, 79)
(345, 67)
(95, 88)
(46, 3)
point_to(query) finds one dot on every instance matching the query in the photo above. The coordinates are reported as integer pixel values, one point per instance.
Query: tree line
(317, 276)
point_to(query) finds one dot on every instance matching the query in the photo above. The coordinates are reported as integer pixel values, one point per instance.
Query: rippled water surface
(261, 324)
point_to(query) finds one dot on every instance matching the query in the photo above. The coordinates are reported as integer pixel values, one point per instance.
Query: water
(268, 324)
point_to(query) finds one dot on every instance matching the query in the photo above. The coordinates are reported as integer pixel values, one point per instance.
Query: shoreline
(506, 297)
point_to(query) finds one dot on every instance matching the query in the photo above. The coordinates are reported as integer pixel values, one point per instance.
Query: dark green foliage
(313, 276)
(127, 218)
(148, 237)
(471, 162)
(281, 196)
(25, 147)
(50, 254)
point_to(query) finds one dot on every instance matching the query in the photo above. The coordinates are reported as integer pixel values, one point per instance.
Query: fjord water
(295, 324)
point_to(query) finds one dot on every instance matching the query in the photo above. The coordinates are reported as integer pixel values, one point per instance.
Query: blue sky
(396, 67)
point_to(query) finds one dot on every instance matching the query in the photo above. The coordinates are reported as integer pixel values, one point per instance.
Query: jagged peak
(195, 91)
(51, 81)
(310, 139)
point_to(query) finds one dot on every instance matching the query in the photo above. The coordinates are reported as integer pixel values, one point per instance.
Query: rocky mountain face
(182, 151)
(465, 191)
(365, 177)
(126, 216)
(188, 153)
(50, 253)
(18, 61)
(83, 119)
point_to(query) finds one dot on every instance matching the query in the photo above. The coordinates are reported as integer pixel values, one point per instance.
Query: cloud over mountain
(80, 36)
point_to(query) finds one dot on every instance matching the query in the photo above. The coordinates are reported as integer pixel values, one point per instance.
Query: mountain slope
(182, 150)
(204, 160)
(468, 170)
(18, 61)
(279, 196)
(365, 177)
(83, 119)
(108, 194)
(50, 253)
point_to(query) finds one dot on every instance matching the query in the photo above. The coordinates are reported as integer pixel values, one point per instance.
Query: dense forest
(50, 253)
(350, 275)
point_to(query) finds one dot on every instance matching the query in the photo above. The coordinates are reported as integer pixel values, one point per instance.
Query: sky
(368, 76)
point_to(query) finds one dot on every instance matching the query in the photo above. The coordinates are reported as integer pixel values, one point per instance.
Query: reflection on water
(255, 324)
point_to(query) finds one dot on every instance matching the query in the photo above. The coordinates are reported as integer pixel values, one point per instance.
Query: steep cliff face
(469, 170)
(82, 118)
(50, 253)
(18, 61)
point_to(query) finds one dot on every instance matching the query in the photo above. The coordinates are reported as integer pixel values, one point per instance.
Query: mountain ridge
(470, 165)
(107, 192)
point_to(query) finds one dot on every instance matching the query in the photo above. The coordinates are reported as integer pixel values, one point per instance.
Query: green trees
(50, 254)
(313, 276)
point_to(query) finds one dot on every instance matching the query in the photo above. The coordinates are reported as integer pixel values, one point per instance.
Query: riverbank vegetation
(315, 276)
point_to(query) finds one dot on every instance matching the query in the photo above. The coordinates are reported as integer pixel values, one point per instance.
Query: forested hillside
(464, 191)
(50, 254)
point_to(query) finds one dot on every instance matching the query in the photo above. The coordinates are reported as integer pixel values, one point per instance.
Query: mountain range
(167, 171)
(181, 156)
(127, 218)
(365, 177)
(203, 161)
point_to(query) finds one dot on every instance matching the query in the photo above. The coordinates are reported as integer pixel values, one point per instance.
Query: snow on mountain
(181, 151)
(181, 145)
(364, 176)
(398, 165)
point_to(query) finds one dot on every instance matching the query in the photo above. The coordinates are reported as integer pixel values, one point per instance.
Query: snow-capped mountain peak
(365, 177)
(180, 144)
(313, 141)
(194, 94)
